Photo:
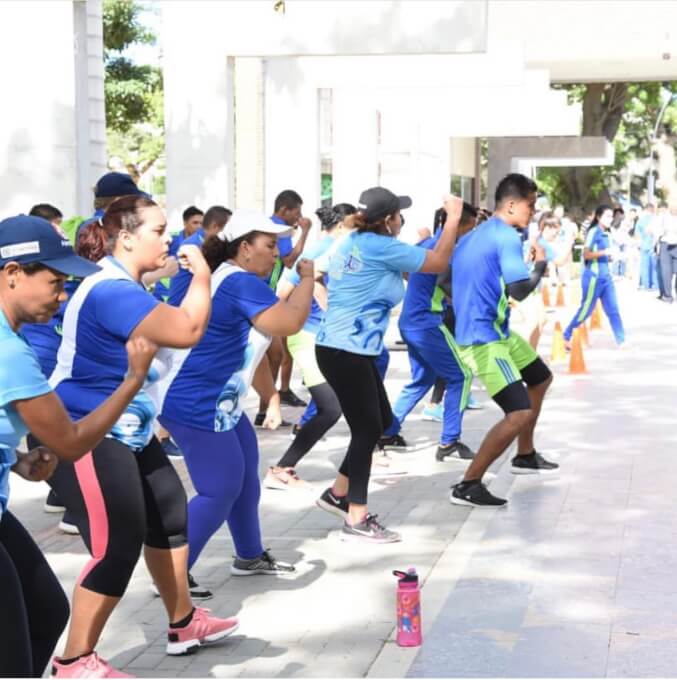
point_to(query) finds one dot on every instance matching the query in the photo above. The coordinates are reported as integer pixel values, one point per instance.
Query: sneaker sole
(430, 419)
(451, 456)
(69, 529)
(191, 646)
(366, 539)
(53, 509)
(469, 504)
(528, 471)
(332, 509)
(259, 572)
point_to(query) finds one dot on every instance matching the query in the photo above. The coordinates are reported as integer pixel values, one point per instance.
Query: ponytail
(217, 250)
(93, 242)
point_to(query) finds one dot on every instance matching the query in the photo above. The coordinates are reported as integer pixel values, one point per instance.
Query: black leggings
(33, 607)
(364, 402)
(328, 413)
(121, 500)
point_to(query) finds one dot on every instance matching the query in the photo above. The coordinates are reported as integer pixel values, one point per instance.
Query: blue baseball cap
(25, 239)
(117, 184)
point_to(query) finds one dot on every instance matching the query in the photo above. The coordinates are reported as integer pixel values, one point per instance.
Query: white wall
(45, 156)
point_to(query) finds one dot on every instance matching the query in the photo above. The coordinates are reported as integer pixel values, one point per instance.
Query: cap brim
(405, 202)
(72, 265)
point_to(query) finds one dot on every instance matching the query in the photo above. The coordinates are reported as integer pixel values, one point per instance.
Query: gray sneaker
(369, 531)
(264, 564)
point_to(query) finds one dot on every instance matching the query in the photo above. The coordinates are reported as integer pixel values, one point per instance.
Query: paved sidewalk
(574, 578)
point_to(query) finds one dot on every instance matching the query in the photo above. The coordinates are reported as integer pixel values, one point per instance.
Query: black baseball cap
(378, 202)
(117, 184)
(26, 239)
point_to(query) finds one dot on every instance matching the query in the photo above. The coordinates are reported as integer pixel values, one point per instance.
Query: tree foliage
(623, 113)
(133, 92)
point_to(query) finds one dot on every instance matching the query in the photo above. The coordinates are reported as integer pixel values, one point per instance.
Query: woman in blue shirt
(203, 394)
(35, 262)
(365, 283)
(597, 282)
(126, 495)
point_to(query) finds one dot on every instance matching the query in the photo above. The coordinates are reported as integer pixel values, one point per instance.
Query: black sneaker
(288, 398)
(396, 441)
(369, 531)
(456, 449)
(296, 429)
(264, 564)
(67, 525)
(475, 494)
(53, 504)
(532, 464)
(336, 505)
(170, 448)
(261, 417)
(198, 592)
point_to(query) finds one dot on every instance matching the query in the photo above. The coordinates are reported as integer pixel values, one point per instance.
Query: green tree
(623, 113)
(133, 92)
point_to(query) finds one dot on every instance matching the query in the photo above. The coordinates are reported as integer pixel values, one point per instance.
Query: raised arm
(48, 420)
(290, 260)
(182, 326)
(287, 317)
(437, 259)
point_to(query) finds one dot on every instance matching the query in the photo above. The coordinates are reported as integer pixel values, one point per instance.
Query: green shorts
(498, 364)
(302, 348)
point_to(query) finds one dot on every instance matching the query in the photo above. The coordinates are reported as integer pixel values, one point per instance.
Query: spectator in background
(47, 212)
(666, 232)
(648, 261)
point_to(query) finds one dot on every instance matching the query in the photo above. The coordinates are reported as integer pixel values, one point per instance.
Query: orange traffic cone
(558, 350)
(576, 362)
(585, 339)
(596, 318)
(545, 289)
(560, 296)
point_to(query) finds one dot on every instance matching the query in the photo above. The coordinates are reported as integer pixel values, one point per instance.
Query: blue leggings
(433, 353)
(597, 288)
(382, 362)
(224, 469)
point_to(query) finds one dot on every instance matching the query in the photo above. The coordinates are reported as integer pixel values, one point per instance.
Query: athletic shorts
(500, 363)
(302, 348)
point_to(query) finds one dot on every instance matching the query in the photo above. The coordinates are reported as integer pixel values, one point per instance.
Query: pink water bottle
(409, 632)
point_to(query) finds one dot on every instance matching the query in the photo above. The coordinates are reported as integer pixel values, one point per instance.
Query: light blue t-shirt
(646, 241)
(312, 252)
(20, 378)
(206, 386)
(92, 359)
(485, 261)
(365, 283)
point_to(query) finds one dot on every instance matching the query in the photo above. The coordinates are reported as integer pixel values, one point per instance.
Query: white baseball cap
(243, 222)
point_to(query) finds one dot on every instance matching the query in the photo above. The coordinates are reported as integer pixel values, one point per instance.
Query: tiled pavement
(574, 578)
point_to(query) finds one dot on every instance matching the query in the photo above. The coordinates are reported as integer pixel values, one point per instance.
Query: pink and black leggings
(121, 500)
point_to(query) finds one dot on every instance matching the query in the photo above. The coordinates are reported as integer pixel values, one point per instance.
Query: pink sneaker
(201, 630)
(90, 666)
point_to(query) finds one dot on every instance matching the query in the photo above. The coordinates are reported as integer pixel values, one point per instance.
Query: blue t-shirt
(180, 282)
(92, 359)
(45, 338)
(312, 252)
(20, 378)
(485, 261)
(206, 385)
(642, 228)
(595, 240)
(423, 304)
(161, 289)
(365, 283)
(284, 247)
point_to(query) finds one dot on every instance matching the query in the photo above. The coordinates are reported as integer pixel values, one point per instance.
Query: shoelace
(371, 521)
(93, 662)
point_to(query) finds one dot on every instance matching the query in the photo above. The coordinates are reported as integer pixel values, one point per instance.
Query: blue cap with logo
(25, 239)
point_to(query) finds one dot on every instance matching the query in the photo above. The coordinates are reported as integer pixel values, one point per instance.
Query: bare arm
(287, 317)
(437, 259)
(594, 254)
(170, 269)
(47, 419)
(285, 288)
(182, 326)
(290, 260)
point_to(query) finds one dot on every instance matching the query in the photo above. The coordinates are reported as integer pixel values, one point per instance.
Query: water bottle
(409, 632)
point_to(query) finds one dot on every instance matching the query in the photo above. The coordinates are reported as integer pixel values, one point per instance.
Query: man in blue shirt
(287, 210)
(648, 260)
(488, 267)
